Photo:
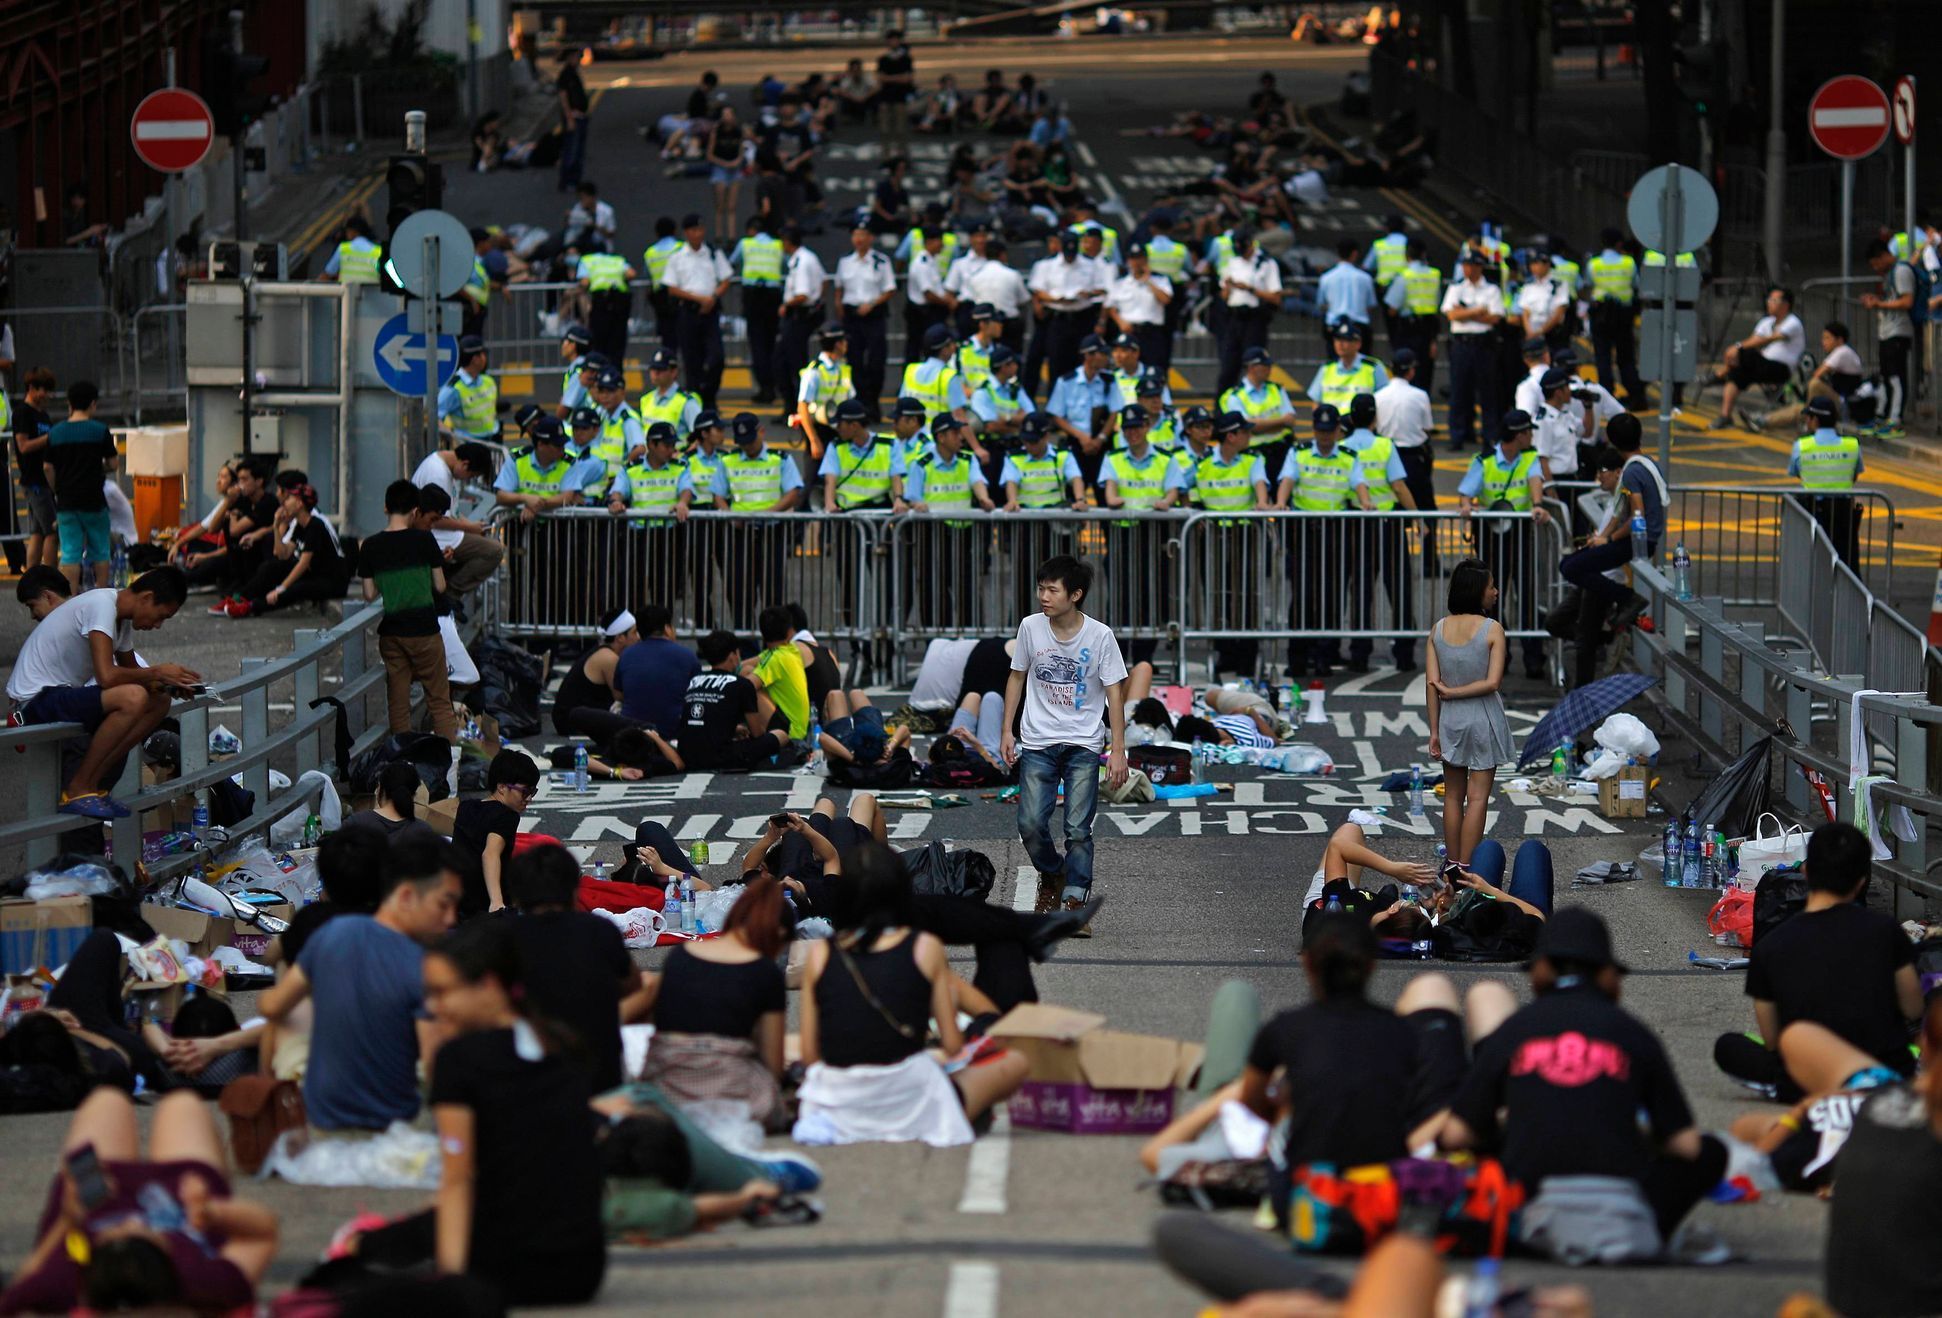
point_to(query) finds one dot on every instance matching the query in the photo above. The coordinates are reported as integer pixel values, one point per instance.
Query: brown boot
(1078, 904)
(1049, 887)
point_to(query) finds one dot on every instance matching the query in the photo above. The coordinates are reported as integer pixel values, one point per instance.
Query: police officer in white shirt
(1137, 303)
(1003, 289)
(1403, 414)
(1529, 393)
(1543, 303)
(925, 301)
(803, 278)
(1073, 284)
(865, 283)
(1250, 286)
(696, 277)
(1560, 425)
(1474, 307)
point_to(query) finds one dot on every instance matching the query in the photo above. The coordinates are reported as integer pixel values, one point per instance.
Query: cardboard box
(44, 933)
(441, 815)
(176, 817)
(1622, 796)
(205, 933)
(1089, 1080)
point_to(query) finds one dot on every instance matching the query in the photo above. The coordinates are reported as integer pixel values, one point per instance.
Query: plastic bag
(1734, 801)
(1301, 757)
(936, 872)
(712, 907)
(510, 684)
(1137, 788)
(640, 927)
(288, 831)
(459, 668)
(399, 1158)
(71, 876)
(1731, 919)
(1625, 734)
(252, 867)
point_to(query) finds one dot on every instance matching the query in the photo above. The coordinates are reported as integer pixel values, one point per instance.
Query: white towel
(911, 1100)
(1862, 782)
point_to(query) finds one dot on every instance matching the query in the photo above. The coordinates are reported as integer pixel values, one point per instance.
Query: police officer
(1321, 477)
(1137, 302)
(910, 430)
(865, 283)
(1131, 366)
(1614, 278)
(468, 404)
(1507, 479)
(575, 342)
(356, 259)
(651, 489)
(607, 279)
(1083, 405)
(857, 472)
(1163, 423)
(1387, 257)
(477, 292)
(1265, 406)
(1040, 476)
(926, 304)
(542, 477)
(655, 261)
(803, 281)
(1352, 372)
(1827, 463)
(665, 399)
(1229, 479)
(1137, 477)
(1169, 260)
(621, 437)
(696, 276)
(999, 406)
(934, 382)
(758, 258)
(582, 434)
(755, 480)
(706, 545)
(974, 353)
(1474, 307)
(1411, 306)
(1250, 290)
(951, 555)
(1382, 550)
(825, 383)
(1196, 438)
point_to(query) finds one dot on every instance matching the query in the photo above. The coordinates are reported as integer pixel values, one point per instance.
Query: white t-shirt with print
(433, 471)
(1065, 683)
(57, 651)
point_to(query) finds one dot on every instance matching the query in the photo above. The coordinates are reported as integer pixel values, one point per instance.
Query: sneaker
(93, 805)
(1049, 887)
(240, 609)
(791, 1172)
(1890, 431)
(1767, 1091)
(1085, 910)
(220, 609)
(345, 1238)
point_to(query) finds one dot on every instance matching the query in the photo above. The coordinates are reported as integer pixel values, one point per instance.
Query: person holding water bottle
(1634, 529)
(1468, 731)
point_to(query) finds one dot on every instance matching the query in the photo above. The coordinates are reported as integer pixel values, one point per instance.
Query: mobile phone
(779, 820)
(90, 1182)
(1452, 871)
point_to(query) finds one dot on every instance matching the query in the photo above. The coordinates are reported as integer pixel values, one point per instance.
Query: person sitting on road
(967, 755)
(726, 728)
(628, 755)
(166, 1235)
(778, 673)
(867, 997)
(484, 829)
(1571, 1075)
(41, 590)
(579, 975)
(1835, 964)
(584, 704)
(652, 673)
(1466, 913)
(350, 863)
(862, 753)
(394, 809)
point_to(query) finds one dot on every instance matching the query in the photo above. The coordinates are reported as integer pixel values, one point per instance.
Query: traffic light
(226, 77)
(414, 184)
(1703, 76)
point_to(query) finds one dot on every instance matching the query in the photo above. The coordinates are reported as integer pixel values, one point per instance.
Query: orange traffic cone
(1935, 610)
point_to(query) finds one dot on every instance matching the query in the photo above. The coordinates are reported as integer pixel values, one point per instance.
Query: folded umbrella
(1581, 709)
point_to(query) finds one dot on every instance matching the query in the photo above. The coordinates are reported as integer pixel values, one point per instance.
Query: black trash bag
(509, 686)
(1734, 801)
(1781, 896)
(230, 803)
(472, 774)
(428, 753)
(897, 771)
(936, 872)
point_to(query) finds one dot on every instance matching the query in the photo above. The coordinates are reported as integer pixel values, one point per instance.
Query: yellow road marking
(323, 225)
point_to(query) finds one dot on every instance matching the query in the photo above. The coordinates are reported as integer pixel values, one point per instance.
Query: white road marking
(971, 1291)
(1024, 896)
(987, 1170)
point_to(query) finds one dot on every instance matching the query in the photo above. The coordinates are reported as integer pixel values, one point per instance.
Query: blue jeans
(573, 152)
(1530, 877)
(1039, 774)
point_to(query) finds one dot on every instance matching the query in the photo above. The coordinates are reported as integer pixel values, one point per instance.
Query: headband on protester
(619, 626)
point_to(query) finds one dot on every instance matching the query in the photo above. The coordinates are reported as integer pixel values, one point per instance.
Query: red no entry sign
(1848, 117)
(172, 130)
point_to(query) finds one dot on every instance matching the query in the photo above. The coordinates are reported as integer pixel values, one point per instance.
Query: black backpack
(1781, 896)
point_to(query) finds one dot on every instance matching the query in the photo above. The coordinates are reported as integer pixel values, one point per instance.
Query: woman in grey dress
(1468, 732)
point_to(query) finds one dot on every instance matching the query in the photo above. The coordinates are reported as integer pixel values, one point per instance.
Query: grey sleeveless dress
(1474, 732)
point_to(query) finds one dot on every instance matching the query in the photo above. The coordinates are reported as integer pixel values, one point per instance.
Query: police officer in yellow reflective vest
(935, 381)
(1269, 412)
(1414, 298)
(1351, 372)
(477, 293)
(538, 480)
(608, 281)
(576, 344)
(665, 399)
(859, 475)
(706, 456)
(952, 554)
(1384, 261)
(753, 479)
(1137, 477)
(655, 261)
(824, 384)
(654, 491)
(356, 259)
(1614, 276)
(1324, 479)
(1382, 548)
(1227, 478)
(1827, 463)
(1163, 423)
(541, 478)
(468, 404)
(1507, 479)
(758, 258)
(621, 438)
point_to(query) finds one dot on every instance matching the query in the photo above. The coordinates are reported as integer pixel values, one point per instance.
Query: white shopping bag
(458, 663)
(1761, 853)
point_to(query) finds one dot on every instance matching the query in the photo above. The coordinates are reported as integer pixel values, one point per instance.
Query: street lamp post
(1776, 141)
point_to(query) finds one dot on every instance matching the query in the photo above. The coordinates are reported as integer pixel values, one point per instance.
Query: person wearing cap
(1543, 305)
(1083, 404)
(1529, 393)
(607, 278)
(705, 460)
(1560, 425)
(708, 446)
(1139, 477)
(575, 343)
(803, 282)
(582, 433)
(622, 438)
(958, 275)
(1085, 218)
(1038, 283)
(825, 384)
(541, 478)
(944, 255)
(1474, 307)
(1130, 368)
(1411, 304)
(1163, 423)
(307, 563)
(1614, 278)
(754, 479)
(1322, 476)
(477, 292)
(1507, 478)
(1383, 549)
(1586, 1091)
(758, 259)
(951, 557)
(356, 259)
(1137, 304)
(696, 276)
(1250, 290)
(999, 407)
(654, 485)
(1350, 371)
(468, 403)
(1826, 463)
(1346, 293)
(926, 304)
(665, 399)
(865, 282)
(1041, 476)
(654, 260)
(1228, 478)
(910, 430)
(859, 473)
(1404, 414)
(934, 382)
(1169, 259)
(1196, 438)
(974, 353)
(1269, 412)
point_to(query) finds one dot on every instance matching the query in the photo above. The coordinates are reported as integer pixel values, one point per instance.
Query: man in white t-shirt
(473, 556)
(79, 666)
(1766, 356)
(1068, 682)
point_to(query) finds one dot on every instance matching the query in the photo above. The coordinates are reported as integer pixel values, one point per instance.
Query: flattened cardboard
(43, 933)
(1088, 1080)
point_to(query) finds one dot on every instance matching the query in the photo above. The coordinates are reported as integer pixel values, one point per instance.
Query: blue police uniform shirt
(1822, 435)
(1291, 469)
(689, 411)
(1186, 477)
(1472, 483)
(1068, 470)
(914, 482)
(1074, 398)
(1346, 293)
(791, 473)
(1382, 375)
(508, 478)
(984, 403)
(1397, 297)
(683, 484)
(449, 402)
(1359, 441)
(954, 396)
(833, 466)
(575, 393)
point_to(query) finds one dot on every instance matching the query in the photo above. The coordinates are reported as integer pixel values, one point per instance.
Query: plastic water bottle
(1561, 762)
(1287, 700)
(1708, 860)
(1415, 791)
(690, 918)
(1442, 858)
(1334, 906)
(1200, 761)
(1690, 875)
(580, 768)
(1669, 854)
(313, 829)
(600, 871)
(117, 566)
(1480, 1295)
(200, 821)
(815, 739)
(1639, 533)
(1682, 565)
(671, 903)
(698, 853)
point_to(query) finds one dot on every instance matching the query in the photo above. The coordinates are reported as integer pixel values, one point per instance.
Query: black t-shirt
(698, 104)
(710, 997)
(1837, 968)
(326, 555)
(895, 63)
(576, 965)
(79, 452)
(568, 83)
(400, 564)
(261, 510)
(714, 706)
(1887, 1212)
(789, 140)
(1574, 1070)
(537, 1185)
(471, 826)
(1348, 1067)
(31, 423)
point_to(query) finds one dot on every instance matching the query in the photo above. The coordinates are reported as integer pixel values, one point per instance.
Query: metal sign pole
(428, 290)
(1847, 224)
(1671, 215)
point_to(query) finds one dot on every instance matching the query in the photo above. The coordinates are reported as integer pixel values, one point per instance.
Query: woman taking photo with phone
(1468, 731)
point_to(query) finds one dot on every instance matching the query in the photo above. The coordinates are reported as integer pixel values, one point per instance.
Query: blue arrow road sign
(399, 355)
